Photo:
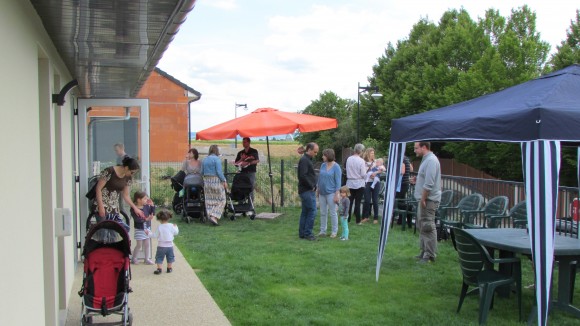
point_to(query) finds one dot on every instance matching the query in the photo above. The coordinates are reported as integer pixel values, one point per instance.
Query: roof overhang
(111, 47)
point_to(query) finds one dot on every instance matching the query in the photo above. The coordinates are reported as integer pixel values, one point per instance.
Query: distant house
(169, 101)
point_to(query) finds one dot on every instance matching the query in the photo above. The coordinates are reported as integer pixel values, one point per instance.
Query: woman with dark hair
(192, 168)
(115, 183)
(328, 191)
(215, 185)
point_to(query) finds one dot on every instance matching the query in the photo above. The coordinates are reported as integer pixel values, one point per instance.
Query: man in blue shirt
(306, 189)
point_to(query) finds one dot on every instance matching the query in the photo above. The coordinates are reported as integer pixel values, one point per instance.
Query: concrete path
(178, 298)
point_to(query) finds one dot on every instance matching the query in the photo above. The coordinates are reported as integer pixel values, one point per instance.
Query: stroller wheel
(130, 319)
(233, 217)
(252, 215)
(86, 320)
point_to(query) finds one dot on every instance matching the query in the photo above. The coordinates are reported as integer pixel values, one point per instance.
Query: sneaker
(149, 262)
(341, 238)
(169, 269)
(376, 222)
(344, 239)
(333, 235)
(135, 261)
(157, 271)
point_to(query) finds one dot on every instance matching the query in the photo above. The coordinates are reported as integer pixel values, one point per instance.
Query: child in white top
(165, 233)
(373, 172)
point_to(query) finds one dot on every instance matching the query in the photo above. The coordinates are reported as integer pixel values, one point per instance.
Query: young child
(375, 171)
(164, 234)
(343, 206)
(142, 225)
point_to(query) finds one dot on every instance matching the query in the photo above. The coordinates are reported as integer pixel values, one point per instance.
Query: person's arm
(337, 179)
(220, 173)
(99, 196)
(184, 166)
(127, 199)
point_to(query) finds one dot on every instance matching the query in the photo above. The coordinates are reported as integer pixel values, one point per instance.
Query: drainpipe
(189, 122)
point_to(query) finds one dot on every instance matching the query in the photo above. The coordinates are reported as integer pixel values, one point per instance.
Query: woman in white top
(355, 180)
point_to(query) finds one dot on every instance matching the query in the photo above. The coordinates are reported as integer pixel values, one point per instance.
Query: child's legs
(147, 248)
(344, 222)
(170, 257)
(159, 256)
(138, 247)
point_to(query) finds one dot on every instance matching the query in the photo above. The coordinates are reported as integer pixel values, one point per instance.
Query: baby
(375, 171)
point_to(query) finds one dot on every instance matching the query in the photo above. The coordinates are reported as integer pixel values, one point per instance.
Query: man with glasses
(428, 193)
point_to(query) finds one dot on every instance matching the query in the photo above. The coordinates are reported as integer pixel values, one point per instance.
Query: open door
(104, 123)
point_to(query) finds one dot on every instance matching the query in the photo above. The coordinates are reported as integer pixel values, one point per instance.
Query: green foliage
(568, 52)
(260, 273)
(454, 61)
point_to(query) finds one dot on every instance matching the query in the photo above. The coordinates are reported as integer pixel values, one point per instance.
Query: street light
(245, 106)
(361, 89)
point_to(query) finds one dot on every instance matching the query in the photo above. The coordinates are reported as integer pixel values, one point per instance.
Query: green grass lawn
(260, 273)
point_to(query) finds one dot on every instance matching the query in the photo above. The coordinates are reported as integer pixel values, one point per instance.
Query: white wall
(36, 172)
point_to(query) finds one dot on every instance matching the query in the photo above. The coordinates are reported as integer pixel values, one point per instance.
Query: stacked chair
(490, 216)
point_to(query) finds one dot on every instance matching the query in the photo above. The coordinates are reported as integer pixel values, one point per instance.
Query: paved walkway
(178, 298)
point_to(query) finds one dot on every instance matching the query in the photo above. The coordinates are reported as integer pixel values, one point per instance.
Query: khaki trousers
(427, 229)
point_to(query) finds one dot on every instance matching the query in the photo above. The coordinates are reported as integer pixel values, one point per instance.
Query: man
(120, 151)
(247, 159)
(428, 194)
(306, 189)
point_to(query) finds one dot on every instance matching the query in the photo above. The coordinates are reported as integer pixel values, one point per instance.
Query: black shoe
(157, 271)
(426, 260)
(311, 238)
(169, 270)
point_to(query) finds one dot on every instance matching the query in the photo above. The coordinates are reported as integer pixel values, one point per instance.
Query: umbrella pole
(270, 174)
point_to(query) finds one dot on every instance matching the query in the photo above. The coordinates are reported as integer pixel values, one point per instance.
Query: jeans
(308, 214)
(163, 252)
(371, 194)
(327, 205)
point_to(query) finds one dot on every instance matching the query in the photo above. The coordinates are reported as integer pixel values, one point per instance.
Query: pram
(105, 288)
(177, 186)
(240, 196)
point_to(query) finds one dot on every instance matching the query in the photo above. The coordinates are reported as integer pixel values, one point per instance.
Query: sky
(284, 54)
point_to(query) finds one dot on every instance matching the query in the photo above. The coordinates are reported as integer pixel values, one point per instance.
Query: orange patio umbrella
(267, 122)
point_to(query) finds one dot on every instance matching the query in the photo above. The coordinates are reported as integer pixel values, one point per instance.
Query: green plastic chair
(490, 216)
(452, 217)
(519, 215)
(477, 269)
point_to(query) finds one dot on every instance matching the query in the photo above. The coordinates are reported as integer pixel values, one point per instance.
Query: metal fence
(285, 180)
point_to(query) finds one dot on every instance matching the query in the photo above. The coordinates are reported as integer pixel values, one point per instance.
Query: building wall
(36, 172)
(169, 118)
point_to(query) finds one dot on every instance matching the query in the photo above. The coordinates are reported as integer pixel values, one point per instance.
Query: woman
(215, 185)
(355, 180)
(192, 168)
(115, 183)
(328, 191)
(371, 194)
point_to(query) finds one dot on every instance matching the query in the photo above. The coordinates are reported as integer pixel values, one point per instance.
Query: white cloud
(264, 57)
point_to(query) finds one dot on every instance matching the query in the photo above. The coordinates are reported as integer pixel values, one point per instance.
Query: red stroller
(105, 289)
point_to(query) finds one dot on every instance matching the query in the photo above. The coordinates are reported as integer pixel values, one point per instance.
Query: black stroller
(239, 197)
(105, 288)
(177, 186)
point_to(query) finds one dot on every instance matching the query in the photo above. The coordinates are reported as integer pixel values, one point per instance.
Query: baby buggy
(105, 287)
(239, 198)
(193, 203)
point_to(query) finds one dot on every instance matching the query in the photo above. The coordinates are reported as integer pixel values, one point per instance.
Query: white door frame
(84, 172)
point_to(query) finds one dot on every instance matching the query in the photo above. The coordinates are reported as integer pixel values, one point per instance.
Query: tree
(331, 105)
(457, 60)
(568, 52)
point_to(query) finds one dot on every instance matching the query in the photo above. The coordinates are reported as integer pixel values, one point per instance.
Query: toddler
(343, 206)
(375, 171)
(142, 226)
(164, 234)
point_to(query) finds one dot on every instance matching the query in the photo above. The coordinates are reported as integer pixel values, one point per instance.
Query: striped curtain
(396, 153)
(541, 167)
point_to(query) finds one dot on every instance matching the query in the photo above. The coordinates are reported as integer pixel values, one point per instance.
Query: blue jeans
(328, 206)
(308, 214)
(163, 252)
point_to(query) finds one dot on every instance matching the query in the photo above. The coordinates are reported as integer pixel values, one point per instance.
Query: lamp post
(361, 89)
(245, 106)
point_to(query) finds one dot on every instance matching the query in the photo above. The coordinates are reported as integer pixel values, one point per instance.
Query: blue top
(212, 165)
(329, 180)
